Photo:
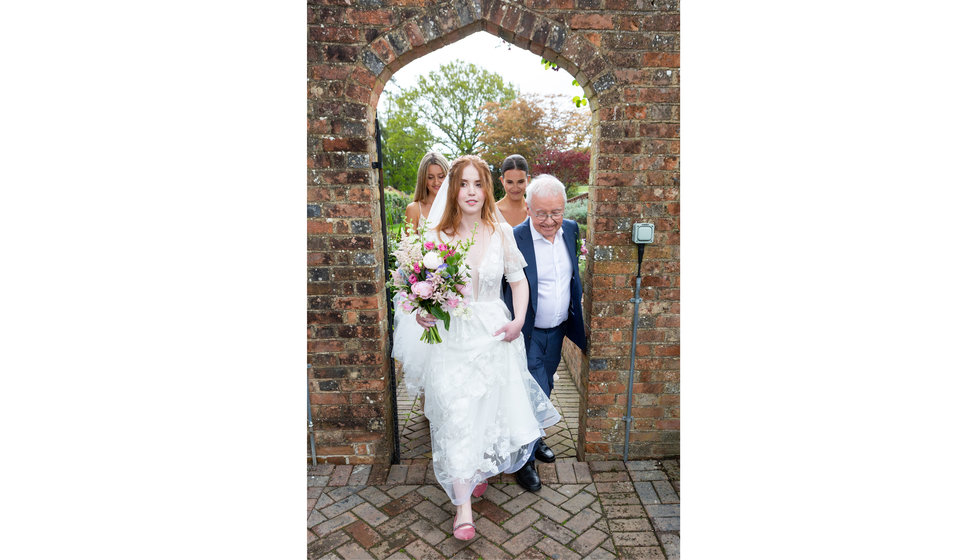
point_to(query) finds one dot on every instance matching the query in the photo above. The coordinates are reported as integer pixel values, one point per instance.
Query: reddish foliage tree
(571, 167)
(530, 124)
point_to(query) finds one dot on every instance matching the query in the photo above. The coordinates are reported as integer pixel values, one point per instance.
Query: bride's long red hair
(451, 217)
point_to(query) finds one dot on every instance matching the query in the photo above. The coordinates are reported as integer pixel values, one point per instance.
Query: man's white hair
(545, 184)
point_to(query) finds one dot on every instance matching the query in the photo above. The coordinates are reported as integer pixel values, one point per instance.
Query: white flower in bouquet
(432, 260)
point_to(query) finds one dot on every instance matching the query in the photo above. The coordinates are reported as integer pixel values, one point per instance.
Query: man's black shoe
(528, 478)
(544, 454)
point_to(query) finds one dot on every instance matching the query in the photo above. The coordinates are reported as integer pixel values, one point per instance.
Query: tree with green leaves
(405, 138)
(453, 101)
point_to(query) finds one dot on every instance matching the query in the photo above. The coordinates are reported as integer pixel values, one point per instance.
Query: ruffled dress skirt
(485, 411)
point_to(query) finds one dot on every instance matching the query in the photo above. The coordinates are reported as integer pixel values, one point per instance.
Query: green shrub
(395, 204)
(578, 210)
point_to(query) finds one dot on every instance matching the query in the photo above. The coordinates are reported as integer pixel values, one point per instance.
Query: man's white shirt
(554, 279)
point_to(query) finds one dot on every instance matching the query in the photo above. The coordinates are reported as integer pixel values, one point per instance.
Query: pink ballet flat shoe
(480, 489)
(463, 531)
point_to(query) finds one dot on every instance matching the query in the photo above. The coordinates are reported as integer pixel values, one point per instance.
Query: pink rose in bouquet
(422, 289)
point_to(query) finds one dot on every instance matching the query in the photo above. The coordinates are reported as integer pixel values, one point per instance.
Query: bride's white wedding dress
(485, 410)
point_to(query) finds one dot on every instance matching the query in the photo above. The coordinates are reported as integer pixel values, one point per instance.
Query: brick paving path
(600, 509)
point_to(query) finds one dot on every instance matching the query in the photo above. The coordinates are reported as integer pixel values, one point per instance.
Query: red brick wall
(625, 53)
(577, 364)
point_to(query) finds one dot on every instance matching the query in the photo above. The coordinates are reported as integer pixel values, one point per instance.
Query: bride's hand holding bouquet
(431, 277)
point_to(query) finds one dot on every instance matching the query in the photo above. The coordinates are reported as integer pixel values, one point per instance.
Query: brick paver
(583, 520)
(554, 530)
(521, 521)
(340, 475)
(523, 540)
(369, 513)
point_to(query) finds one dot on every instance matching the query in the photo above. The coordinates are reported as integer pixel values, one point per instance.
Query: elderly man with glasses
(554, 311)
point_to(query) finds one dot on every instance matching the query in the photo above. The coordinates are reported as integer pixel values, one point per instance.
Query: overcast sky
(518, 66)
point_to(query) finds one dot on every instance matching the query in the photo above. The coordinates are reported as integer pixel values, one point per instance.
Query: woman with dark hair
(514, 177)
(485, 410)
(432, 172)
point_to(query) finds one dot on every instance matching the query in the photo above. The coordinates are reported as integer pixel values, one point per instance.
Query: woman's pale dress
(485, 410)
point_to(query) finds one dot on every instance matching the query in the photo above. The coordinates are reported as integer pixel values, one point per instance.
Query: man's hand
(424, 319)
(511, 330)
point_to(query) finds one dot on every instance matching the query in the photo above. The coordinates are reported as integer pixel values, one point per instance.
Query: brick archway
(353, 52)
(514, 23)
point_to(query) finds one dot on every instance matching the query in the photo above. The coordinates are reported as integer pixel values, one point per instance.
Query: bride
(485, 410)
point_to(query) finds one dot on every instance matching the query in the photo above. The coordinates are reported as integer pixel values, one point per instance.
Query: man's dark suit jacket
(575, 328)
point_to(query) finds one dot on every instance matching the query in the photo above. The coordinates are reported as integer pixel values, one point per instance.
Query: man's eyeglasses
(555, 215)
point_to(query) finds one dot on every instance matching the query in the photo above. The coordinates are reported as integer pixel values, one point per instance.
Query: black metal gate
(392, 382)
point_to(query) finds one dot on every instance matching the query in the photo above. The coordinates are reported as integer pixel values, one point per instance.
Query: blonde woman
(485, 410)
(432, 171)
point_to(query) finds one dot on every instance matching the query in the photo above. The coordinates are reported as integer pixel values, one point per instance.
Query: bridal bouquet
(432, 277)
